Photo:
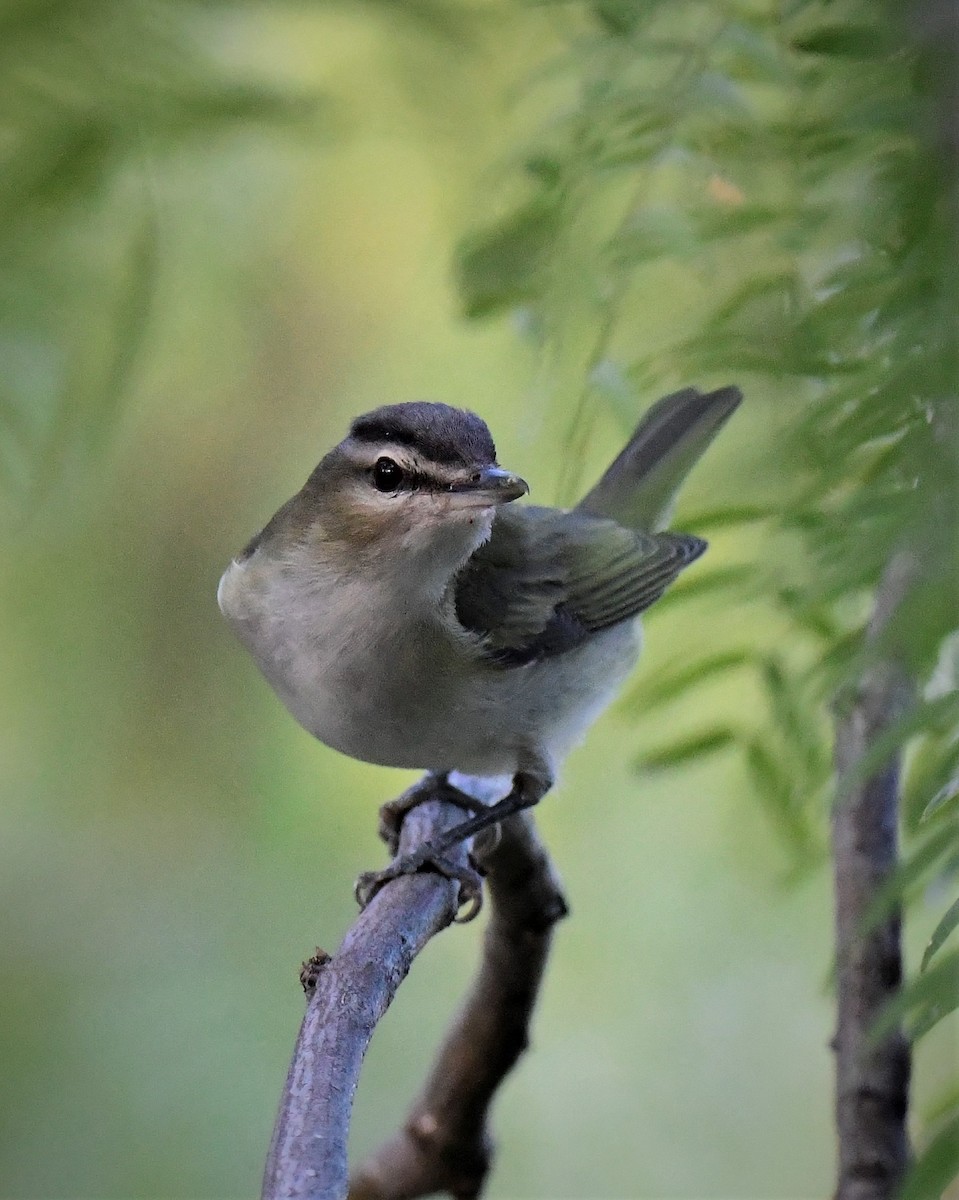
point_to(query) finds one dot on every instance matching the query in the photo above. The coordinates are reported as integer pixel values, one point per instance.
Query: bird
(409, 614)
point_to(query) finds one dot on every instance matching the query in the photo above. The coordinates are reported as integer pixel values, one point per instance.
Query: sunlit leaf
(702, 584)
(948, 923)
(935, 1166)
(944, 797)
(668, 687)
(684, 750)
(724, 518)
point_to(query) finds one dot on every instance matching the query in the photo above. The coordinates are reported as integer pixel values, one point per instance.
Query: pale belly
(417, 698)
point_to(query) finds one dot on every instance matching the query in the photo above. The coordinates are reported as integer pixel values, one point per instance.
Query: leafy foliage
(94, 98)
(798, 167)
(792, 164)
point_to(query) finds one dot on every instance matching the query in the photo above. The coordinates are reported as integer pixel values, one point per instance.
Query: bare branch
(872, 1077)
(352, 991)
(445, 1144)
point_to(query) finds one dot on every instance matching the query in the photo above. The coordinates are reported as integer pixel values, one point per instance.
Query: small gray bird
(408, 615)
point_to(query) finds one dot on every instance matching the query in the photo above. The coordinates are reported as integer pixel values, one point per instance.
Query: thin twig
(445, 1144)
(351, 992)
(872, 1076)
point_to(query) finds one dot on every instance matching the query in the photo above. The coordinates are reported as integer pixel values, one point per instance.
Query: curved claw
(470, 896)
(367, 885)
(470, 882)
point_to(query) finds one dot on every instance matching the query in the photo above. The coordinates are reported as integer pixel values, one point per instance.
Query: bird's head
(412, 486)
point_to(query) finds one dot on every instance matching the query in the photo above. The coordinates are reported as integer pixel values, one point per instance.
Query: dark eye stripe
(404, 478)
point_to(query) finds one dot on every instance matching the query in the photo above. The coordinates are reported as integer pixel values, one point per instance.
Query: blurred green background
(199, 293)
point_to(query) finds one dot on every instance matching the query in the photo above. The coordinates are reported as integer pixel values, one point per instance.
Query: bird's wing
(547, 579)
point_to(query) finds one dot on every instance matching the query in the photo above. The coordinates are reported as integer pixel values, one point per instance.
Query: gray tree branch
(445, 1144)
(872, 1077)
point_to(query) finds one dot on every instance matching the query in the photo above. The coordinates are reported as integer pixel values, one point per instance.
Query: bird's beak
(491, 485)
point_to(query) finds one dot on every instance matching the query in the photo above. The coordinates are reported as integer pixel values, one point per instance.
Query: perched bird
(408, 614)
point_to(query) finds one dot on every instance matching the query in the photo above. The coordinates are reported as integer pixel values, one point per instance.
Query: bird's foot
(434, 787)
(528, 788)
(469, 899)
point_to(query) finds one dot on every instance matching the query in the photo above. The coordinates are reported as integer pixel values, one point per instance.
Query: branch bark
(445, 1143)
(872, 1078)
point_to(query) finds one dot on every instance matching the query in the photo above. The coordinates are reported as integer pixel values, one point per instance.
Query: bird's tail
(639, 487)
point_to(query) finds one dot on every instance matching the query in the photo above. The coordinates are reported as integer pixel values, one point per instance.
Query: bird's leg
(529, 787)
(433, 787)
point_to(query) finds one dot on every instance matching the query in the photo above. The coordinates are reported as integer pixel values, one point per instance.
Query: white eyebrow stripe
(422, 470)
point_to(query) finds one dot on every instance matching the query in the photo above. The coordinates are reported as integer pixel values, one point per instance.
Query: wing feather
(548, 579)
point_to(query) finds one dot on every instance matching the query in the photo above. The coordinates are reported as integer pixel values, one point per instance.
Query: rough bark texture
(872, 1077)
(445, 1144)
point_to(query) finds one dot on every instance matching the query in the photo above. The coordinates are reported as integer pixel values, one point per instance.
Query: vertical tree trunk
(872, 1077)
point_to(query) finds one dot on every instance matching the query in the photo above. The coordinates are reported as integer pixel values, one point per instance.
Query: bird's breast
(386, 678)
(369, 673)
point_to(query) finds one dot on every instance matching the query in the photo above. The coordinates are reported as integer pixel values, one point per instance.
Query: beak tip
(493, 485)
(510, 487)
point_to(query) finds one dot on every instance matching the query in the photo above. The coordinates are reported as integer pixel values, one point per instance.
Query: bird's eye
(387, 475)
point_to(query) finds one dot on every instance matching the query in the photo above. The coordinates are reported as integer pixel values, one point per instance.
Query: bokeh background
(229, 230)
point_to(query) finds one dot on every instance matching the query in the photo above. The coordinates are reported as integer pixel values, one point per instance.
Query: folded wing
(546, 580)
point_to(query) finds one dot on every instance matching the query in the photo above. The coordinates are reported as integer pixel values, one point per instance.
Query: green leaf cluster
(96, 99)
(794, 168)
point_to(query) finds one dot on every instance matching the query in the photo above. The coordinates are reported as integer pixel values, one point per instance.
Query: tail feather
(638, 488)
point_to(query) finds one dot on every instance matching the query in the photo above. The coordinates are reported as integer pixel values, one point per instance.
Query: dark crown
(438, 432)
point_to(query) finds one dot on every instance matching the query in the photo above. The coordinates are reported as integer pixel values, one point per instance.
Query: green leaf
(817, 620)
(718, 222)
(618, 17)
(798, 725)
(930, 715)
(911, 870)
(501, 266)
(948, 923)
(686, 749)
(701, 585)
(936, 1167)
(930, 996)
(846, 40)
(777, 787)
(754, 299)
(754, 55)
(719, 94)
(943, 1000)
(133, 311)
(654, 233)
(767, 772)
(668, 687)
(944, 1106)
(724, 518)
(931, 767)
(944, 796)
